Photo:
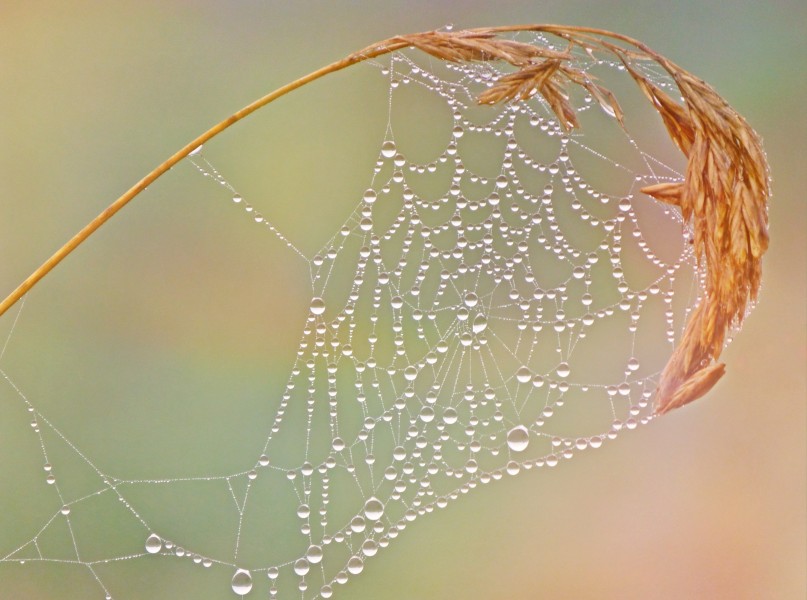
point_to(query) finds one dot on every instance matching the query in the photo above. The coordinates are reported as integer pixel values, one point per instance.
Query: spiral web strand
(484, 311)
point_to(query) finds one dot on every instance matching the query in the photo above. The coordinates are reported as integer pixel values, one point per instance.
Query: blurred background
(165, 325)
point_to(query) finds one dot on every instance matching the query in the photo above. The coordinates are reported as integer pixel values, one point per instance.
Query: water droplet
(369, 548)
(242, 582)
(524, 375)
(65, 510)
(518, 438)
(153, 544)
(317, 306)
(370, 196)
(314, 554)
(355, 565)
(388, 149)
(302, 566)
(633, 364)
(410, 373)
(195, 151)
(326, 591)
(471, 299)
(563, 370)
(373, 509)
(480, 323)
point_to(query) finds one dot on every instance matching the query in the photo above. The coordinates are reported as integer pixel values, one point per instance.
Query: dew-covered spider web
(501, 299)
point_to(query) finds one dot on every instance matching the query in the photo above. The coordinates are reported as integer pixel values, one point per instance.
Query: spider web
(500, 300)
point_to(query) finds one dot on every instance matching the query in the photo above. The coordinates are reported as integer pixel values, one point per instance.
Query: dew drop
(317, 306)
(242, 582)
(153, 544)
(524, 375)
(633, 364)
(471, 299)
(518, 438)
(65, 510)
(370, 196)
(314, 554)
(355, 565)
(563, 370)
(388, 149)
(195, 151)
(480, 323)
(410, 373)
(302, 566)
(373, 509)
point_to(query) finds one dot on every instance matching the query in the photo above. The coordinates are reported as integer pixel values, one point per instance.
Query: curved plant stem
(135, 190)
(372, 51)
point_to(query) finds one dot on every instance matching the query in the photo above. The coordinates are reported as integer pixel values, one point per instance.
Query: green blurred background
(178, 299)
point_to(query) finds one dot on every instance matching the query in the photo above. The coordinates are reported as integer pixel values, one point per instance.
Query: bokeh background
(172, 300)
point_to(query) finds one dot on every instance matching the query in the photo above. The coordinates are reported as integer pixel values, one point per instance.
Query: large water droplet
(369, 548)
(302, 566)
(153, 544)
(563, 369)
(518, 438)
(314, 554)
(388, 149)
(471, 299)
(317, 306)
(355, 565)
(373, 509)
(242, 582)
(410, 373)
(523, 375)
(480, 323)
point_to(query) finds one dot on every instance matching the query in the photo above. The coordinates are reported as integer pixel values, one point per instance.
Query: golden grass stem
(163, 167)
(374, 50)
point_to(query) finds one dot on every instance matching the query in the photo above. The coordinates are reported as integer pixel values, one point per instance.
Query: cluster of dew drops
(536, 223)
